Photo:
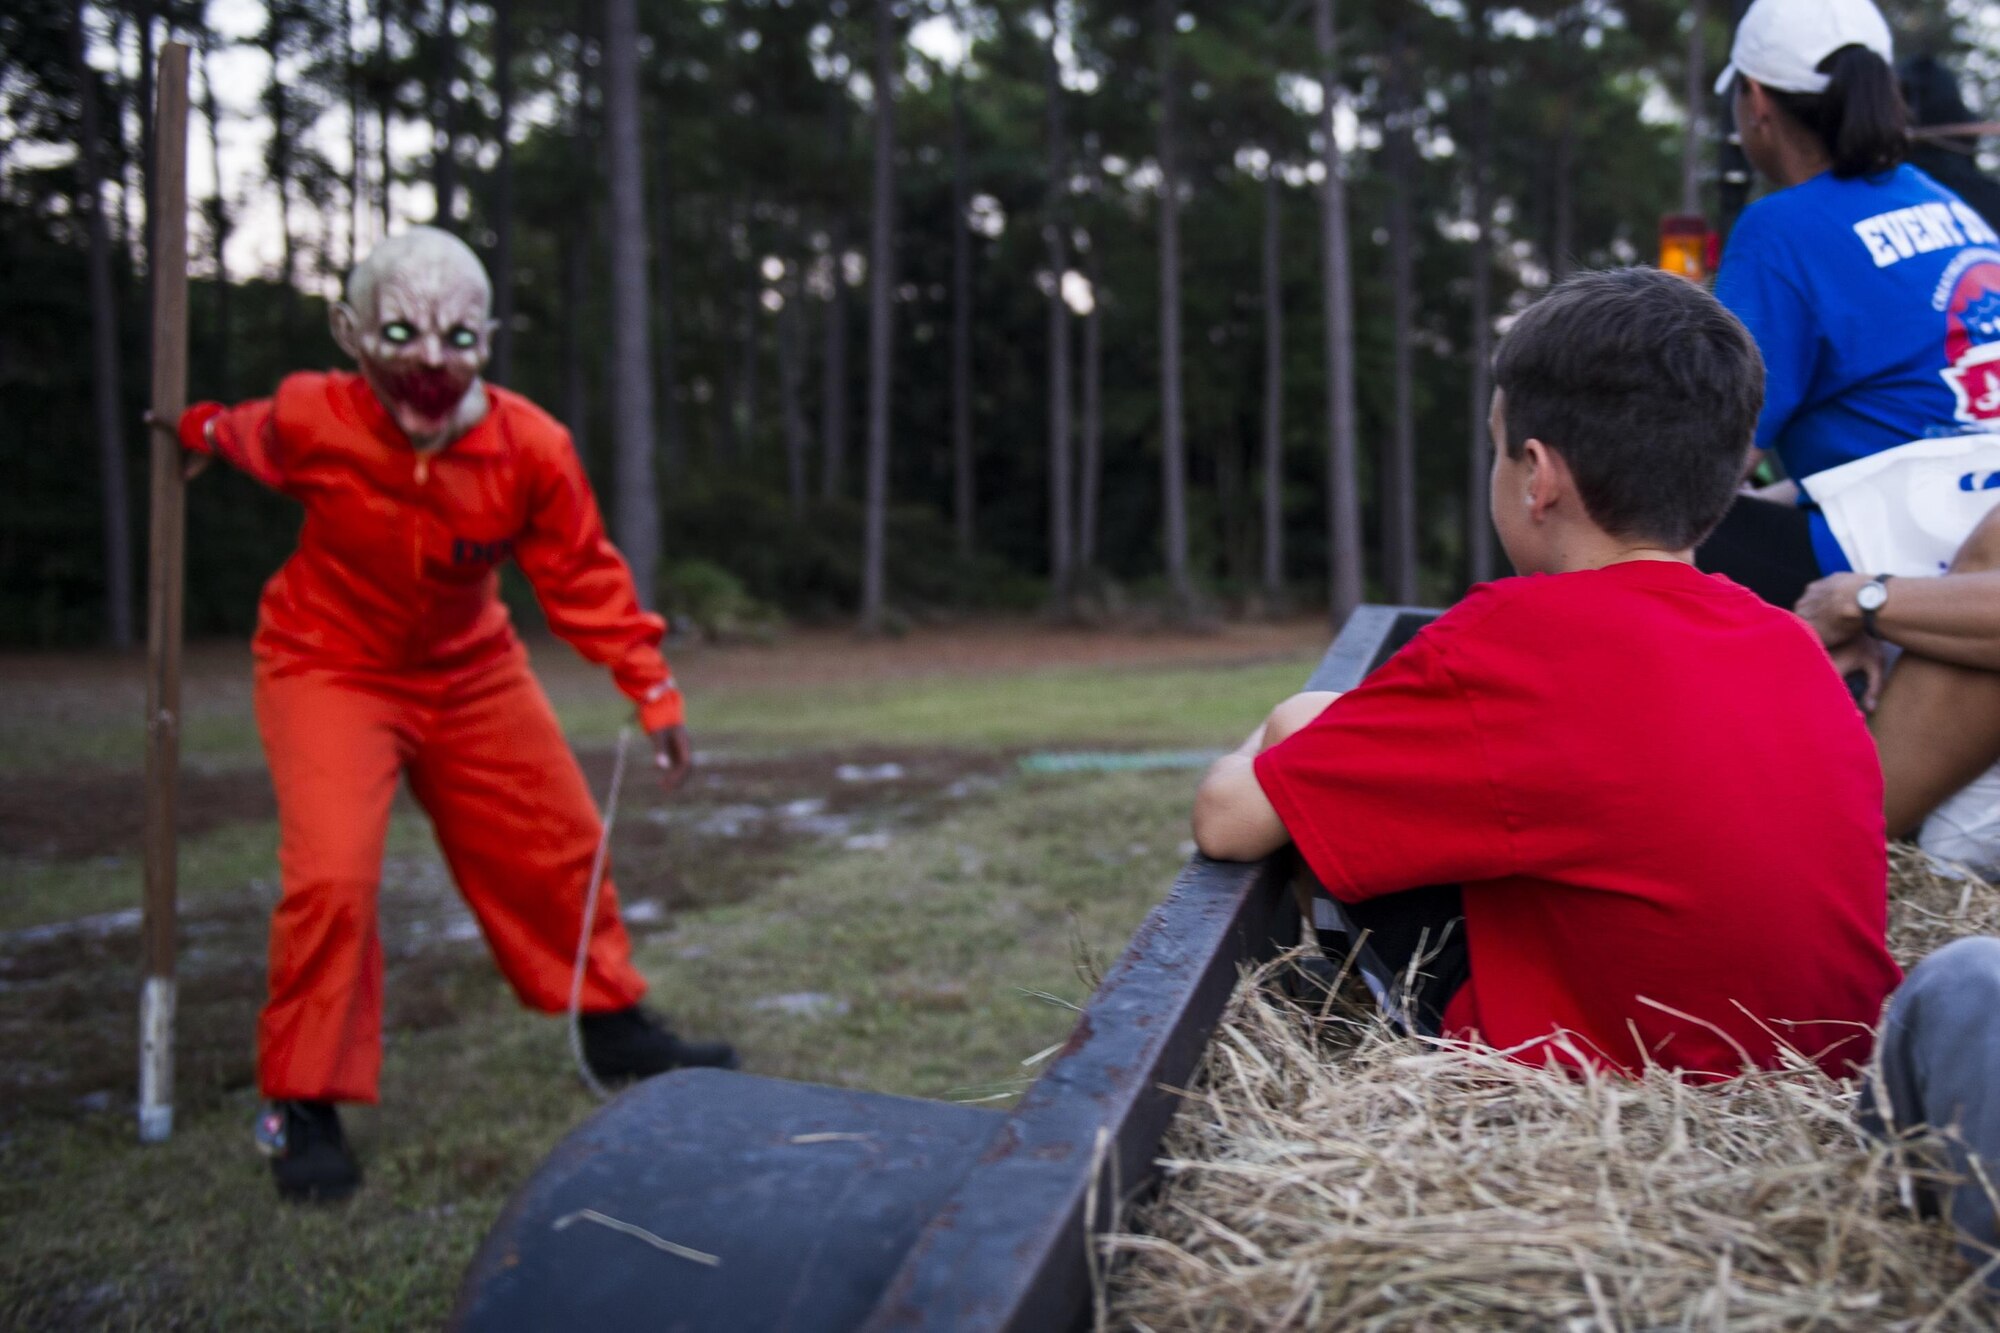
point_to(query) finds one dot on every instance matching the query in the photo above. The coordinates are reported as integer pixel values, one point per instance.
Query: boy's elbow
(1206, 840)
(1220, 838)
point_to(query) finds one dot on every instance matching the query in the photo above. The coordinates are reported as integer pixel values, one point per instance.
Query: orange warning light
(1684, 245)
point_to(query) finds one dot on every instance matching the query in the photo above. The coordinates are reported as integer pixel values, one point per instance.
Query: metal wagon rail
(711, 1200)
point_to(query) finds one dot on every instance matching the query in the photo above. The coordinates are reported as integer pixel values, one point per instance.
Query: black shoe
(631, 1044)
(310, 1159)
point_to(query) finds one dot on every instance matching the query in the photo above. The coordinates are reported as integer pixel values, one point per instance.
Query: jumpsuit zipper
(422, 474)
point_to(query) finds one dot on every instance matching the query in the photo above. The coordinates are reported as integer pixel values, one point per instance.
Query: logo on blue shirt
(1982, 318)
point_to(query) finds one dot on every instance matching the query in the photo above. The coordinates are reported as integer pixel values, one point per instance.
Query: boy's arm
(1233, 819)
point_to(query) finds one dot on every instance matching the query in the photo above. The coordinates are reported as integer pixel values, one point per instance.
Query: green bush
(808, 564)
(715, 601)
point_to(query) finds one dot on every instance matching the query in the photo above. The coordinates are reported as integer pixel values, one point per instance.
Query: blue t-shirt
(1876, 303)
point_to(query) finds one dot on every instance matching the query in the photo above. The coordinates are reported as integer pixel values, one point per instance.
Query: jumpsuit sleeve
(586, 589)
(244, 436)
(1755, 287)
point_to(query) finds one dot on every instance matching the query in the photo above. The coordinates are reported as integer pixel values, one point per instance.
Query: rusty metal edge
(1007, 1251)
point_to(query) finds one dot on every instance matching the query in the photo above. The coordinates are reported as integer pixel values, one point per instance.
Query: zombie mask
(417, 322)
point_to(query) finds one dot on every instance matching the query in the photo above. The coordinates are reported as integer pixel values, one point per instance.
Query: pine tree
(881, 320)
(637, 501)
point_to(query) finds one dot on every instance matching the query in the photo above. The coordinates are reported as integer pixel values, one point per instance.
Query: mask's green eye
(398, 332)
(463, 338)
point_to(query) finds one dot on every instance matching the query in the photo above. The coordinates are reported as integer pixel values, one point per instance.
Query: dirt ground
(726, 835)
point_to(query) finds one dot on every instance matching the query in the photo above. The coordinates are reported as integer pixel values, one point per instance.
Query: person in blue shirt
(1873, 292)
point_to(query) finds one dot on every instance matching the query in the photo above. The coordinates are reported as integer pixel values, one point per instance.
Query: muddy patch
(60, 817)
(67, 989)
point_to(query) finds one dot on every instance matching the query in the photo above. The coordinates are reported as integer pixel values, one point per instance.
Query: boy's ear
(1547, 477)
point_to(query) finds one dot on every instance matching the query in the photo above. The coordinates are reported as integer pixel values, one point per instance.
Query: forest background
(866, 308)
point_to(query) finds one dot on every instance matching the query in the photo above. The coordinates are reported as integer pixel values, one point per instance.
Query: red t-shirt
(1664, 808)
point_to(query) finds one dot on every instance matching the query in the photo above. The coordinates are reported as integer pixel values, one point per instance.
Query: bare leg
(1938, 725)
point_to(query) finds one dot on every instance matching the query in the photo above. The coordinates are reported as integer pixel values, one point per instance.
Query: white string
(590, 919)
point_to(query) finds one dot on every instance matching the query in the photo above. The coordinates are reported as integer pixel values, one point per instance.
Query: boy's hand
(673, 755)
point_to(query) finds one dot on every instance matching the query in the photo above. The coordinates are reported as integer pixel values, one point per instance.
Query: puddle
(104, 923)
(869, 772)
(644, 912)
(803, 1004)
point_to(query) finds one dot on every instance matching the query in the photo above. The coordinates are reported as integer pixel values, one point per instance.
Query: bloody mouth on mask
(431, 393)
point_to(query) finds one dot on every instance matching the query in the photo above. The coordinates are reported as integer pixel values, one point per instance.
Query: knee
(1981, 550)
(1972, 961)
(1966, 972)
(332, 908)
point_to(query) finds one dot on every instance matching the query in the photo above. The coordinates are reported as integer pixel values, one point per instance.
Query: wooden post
(163, 595)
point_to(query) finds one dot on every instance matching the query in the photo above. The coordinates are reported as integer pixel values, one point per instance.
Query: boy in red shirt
(1623, 852)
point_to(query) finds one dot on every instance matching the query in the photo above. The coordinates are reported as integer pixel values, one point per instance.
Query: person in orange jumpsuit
(383, 650)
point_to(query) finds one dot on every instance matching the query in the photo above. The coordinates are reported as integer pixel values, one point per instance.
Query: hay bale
(1325, 1173)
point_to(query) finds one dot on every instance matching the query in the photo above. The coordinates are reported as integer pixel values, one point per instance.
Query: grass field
(861, 888)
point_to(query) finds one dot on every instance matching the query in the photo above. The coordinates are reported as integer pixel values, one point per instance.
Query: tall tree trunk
(382, 91)
(964, 500)
(749, 309)
(881, 316)
(575, 294)
(1399, 510)
(385, 168)
(1562, 245)
(1343, 489)
(112, 490)
(791, 385)
(278, 160)
(143, 14)
(578, 235)
(718, 316)
(118, 155)
(673, 433)
(1173, 459)
(637, 512)
(444, 120)
(1562, 164)
(350, 62)
(218, 230)
(833, 420)
(1055, 239)
(1090, 464)
(1274, 394)
(1694, 96)
(503, 194)
(1479, 456)
(1233, 530)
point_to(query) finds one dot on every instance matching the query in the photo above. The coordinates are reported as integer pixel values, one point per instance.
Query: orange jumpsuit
(383, 648)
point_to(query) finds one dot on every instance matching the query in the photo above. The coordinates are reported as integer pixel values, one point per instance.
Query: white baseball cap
(1780, 43)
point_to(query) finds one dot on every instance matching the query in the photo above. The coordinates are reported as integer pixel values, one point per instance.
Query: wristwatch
(1870, 597)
